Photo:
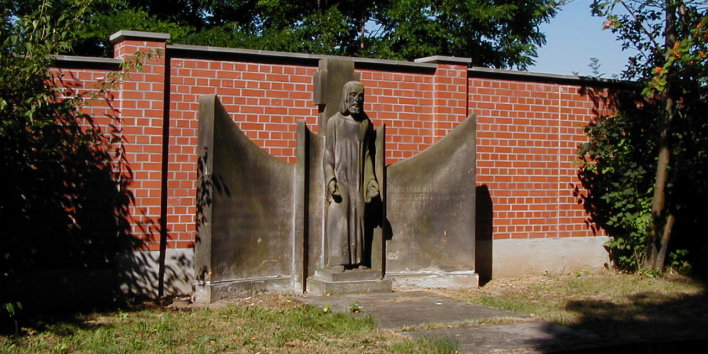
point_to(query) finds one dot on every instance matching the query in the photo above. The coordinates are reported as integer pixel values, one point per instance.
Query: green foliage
(617, 170)
(616, 174)
(620, 168)
(92, 36)
(499, 34)
(433, 344)
(679, 261)
(495, 33)
(63, 191)
(283, 326)
(595, 67)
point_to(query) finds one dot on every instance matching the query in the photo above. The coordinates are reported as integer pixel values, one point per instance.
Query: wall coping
(208, 52)
(443, 59)
(422, 65)
(150, 36)
(482, 72)
(78, 62)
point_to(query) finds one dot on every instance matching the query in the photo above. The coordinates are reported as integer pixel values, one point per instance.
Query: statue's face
(356, 100)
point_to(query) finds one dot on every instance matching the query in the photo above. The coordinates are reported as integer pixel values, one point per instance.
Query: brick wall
(528, 129)
(527, 136)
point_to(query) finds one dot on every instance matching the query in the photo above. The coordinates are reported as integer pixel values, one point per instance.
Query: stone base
(517, 257)
(205, 294)
(327, 282)
(437, 279)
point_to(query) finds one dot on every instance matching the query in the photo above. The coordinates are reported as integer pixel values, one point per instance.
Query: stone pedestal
(326, 282)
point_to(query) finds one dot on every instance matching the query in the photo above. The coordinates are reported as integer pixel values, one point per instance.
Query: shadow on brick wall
(483, 234)
(65, 209)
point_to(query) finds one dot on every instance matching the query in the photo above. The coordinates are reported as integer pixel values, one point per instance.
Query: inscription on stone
(448, 203)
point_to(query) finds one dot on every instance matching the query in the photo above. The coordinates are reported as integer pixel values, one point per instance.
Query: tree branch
(641, 24)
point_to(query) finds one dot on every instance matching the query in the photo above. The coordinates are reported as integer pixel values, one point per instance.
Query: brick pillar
(450, 93)
(142, 110)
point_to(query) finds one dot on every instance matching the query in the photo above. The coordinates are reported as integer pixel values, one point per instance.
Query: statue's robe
(348, 160)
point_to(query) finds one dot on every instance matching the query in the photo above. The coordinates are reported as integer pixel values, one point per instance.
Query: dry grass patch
(611, 304)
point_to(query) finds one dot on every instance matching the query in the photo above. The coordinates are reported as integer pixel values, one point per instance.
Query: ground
(613, 308)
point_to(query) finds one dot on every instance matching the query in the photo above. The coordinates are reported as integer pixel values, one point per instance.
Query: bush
(63, 191)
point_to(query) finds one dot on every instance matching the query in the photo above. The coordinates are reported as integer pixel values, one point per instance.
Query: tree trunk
(362, 30)
(662, 224)
(665, 237)
(657, 233)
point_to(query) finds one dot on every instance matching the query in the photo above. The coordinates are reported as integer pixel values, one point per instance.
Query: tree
(494, 33)
(671, 39)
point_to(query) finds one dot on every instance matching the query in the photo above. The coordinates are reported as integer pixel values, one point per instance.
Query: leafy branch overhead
(494, 33)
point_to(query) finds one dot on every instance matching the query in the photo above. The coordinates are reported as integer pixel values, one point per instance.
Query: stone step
(320, 287)
(348, 275)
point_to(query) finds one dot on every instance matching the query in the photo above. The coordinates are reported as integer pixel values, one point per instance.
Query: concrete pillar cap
(150, 36)
(442, 59)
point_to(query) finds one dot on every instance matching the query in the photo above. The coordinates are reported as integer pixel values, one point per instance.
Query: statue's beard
(354, 108)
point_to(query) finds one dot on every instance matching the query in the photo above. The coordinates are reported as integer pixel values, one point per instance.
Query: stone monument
(352, 193)
(338, 220)
(350, 182)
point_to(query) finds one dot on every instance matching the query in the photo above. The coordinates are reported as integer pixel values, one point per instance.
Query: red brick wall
(141, 106)
(527, 136)
(527, 131)
(265, 100)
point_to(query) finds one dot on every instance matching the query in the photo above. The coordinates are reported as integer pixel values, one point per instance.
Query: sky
(572, 38)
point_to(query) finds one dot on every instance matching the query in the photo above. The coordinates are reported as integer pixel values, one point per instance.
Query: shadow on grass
(642, 322)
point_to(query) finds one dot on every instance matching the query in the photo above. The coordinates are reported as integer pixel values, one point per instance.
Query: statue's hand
(372, 190)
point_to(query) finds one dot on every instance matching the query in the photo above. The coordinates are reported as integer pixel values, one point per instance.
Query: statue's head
(352, 98)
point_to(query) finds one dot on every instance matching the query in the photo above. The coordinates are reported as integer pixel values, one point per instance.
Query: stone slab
(327, 83)
(434, 280)
(349, 275)
(526, 337)
(208, 293)
(405, 309)
(411, 313)
(139, 272)
(245, 207)
(430, 207)
(518, 257)
(320, 287)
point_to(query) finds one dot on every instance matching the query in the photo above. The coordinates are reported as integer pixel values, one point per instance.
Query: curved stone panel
(430, 208)
(245, 210)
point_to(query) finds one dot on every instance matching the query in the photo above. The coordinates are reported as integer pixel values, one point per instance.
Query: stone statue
(350, 181)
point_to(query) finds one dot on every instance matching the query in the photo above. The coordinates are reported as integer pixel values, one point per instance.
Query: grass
(617, 307)
(494, 321)
(613, 305)
(277, 324)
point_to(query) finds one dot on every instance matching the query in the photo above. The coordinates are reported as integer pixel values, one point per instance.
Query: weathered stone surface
(522, 337)
(328, 82)
(250, 287)
(430, 206)
(351, 184)
(513, 258)
(321, 287)
(262, 222)
(315, 201)
(474, 328)
(378, 207)
(413, 308)
(245, 206)
(350, 275)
